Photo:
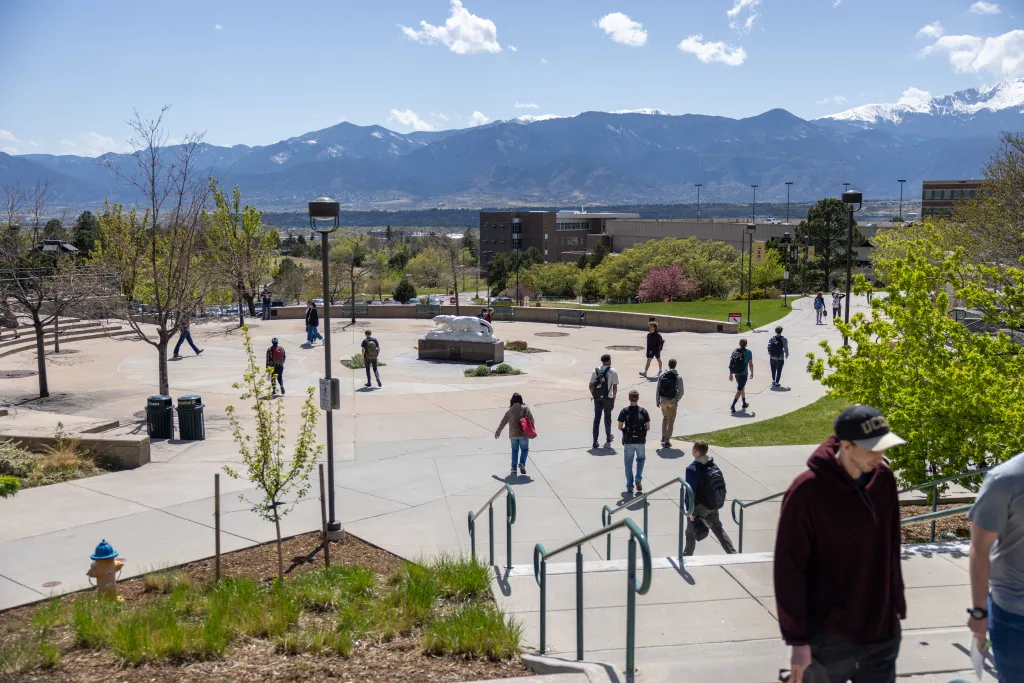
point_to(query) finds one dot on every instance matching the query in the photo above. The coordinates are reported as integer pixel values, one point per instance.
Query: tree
(825, 229)
(350, 253)
(668, 283)
(290, 281)
(427, 268)
(953, 392)
(404, 291)
(14, 203)
(715, 265)
(587, 285)
(158, 255)
(454, 259)
(281, 481)
(53, 229)
(551, 279)
(38, 200)
(994, 220)
(240, 245)
(770, 273)
(398, 261)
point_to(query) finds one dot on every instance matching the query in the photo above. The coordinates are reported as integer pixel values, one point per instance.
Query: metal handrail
(939, 514)
(510, 519)
(540, 563)
(686, 503)
(742, 506)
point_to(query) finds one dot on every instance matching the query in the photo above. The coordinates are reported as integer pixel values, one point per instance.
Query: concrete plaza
(413, 458)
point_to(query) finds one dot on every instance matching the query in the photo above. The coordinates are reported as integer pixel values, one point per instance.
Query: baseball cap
(866, 427)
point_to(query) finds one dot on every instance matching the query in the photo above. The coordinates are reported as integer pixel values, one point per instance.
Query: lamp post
(786, 241)
(850, 198)
(517, 239)
(753, 206)
(328, 211)
(750, 267)
(789, 184)
(901, 181)
(698, 186)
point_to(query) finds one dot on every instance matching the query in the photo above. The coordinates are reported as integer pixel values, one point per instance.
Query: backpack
(819, 303)
(775, 347)
(635, 428)
(712, 487)
(277, 355)
(736, 364)
(372, 349)
(668, 385)
(601, 388)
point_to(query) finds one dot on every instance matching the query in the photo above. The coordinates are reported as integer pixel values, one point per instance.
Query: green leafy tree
(825, 229)
(240, 246)
(953, 392)
(770, 273)
(427, 268)
(291, 280)
(551, 279)
(350, 253)
(54, 230)
(404, 291)
(398, 261)
(86, 232)
(994, 219)
(587, 284)
(713, 264)
(282, 480)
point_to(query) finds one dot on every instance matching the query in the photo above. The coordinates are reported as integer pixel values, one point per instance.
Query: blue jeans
(185, 336)
(520, 449)
(312, 334)
(1006, 631)
(629, 451)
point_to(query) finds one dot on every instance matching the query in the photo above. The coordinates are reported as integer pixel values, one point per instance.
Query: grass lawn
(808, 425)
(761, 312)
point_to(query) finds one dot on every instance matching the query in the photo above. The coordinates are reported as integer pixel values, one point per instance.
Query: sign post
(735, 317)
(330, 393)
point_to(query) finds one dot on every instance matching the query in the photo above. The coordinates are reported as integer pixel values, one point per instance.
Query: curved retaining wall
(531, 314)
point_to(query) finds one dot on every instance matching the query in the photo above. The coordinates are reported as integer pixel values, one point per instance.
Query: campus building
(938, 197)
(558, 235)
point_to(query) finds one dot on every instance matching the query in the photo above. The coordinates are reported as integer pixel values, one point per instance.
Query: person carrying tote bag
(520, 430)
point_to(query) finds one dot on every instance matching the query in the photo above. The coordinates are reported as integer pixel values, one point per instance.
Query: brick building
(558, 235)
(938, 197)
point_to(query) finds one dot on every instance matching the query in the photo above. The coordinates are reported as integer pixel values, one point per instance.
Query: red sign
(735, 317)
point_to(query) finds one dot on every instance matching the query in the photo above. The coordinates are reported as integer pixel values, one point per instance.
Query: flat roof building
(558, 235)
(938, 197)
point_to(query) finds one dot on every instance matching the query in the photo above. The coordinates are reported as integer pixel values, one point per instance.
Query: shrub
(461, 577)
(757, 293)
(478, 371)
(404, 291)
(667, 284)
(26, 654)
(505, 369)
(9, 486)
(15, 461)
(515, 346)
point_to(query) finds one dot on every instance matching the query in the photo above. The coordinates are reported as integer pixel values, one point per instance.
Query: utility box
(191, 423)
(160, 417)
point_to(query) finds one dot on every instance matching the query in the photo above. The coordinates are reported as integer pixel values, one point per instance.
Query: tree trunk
(455, 280)
(280, 554)
(241, 311)
(44, 389)
(161, 352)
(250, 301)
(56, 333)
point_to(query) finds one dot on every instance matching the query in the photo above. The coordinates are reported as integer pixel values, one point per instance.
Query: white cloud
(713, 52)
(982, 7)
(478, 119)
(622, 29)
(530, 118)
(33, 143)
(462, 33)
(1001, 55)
(836, 3)
(743, 14)
(218, 27)
(8, 150)
(543, 61)
(651, 111)
(68, 143)
(912, 97)
(407, 117)
(931, 31)
(442, 116)
(526, 105)
(7, 135)
(838, 99)
(513, 48)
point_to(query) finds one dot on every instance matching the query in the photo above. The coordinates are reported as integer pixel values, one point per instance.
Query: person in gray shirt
(997, 566)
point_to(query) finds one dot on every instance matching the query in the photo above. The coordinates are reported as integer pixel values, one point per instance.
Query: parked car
(376, 302)
(434, 301)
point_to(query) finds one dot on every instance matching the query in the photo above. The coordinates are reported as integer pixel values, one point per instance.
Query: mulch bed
(921, 532)
(400, 660)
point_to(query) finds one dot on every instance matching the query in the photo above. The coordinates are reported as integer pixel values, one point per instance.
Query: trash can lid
(160, 399)
(191, 398)
(104, 551)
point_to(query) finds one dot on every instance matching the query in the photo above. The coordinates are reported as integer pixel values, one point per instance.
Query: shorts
(654, 354)
(741, 381)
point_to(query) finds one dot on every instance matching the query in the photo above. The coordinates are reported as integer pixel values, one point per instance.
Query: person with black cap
(275, 365)
(838, 581)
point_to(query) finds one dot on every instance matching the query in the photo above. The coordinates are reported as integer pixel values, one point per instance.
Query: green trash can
(160, 417)
(190, 418)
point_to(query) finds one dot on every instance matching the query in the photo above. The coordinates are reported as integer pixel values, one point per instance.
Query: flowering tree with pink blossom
(667, 284)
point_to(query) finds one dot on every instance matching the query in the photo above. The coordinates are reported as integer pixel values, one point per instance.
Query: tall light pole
(753, 205)
(698, 186)
(850, 198)
(328, 211)
(789, 184)
(786, 241)
(846, 185)
(901, 181)
(517, 241)
(750, 268)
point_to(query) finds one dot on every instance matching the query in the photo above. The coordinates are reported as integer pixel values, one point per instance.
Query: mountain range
(635, 157)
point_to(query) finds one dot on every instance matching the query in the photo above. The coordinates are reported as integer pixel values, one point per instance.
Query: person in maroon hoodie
(838, 583)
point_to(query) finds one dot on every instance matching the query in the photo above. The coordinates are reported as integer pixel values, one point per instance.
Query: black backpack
(668, 385)
(775, 346)
(635, 425)
(601, 388)
(736, 364)
(712, 487)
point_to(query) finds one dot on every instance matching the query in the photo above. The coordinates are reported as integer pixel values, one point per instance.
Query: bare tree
(455, 259)
(14, 203)
(38, 199)
(158, 255)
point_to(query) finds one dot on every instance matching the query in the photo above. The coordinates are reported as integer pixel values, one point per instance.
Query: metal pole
(682, 520)
(580, 603)
(646, 505)
(332, 524)
(472, 536)
(698, 185)
(788, 185)
(631, 606)
(543, 603)
(849, 267)
(490, 524)
(323, 518)
(935, 506)
(508, 533)
(901, 201)
(216, 524)
(750, 277)
(741, 529)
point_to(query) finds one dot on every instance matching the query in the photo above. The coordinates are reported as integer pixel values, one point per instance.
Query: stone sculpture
(461, 328)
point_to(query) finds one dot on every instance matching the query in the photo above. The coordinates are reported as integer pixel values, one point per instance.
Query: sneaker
(522, 469)
(199, 351)
(513, 472)
(666, 444)
(596, 445)
(732, 408)
(282, 391)
(639, 487)
(378, 382)
(629, 491)
(611, 439)
(745, 405)
(367, 385)
(643, 374)
(177, 355)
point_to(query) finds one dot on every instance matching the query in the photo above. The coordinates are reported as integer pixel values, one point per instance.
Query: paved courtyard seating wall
(126, 451)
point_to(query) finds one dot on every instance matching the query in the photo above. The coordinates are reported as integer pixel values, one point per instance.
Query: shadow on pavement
(669, 453)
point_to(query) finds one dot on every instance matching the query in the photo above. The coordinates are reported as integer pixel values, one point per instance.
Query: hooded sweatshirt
(837, 554)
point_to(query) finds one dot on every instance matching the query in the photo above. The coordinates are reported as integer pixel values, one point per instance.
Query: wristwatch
(978, 613)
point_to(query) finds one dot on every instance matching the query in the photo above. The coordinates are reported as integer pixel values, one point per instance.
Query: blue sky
(254, 72)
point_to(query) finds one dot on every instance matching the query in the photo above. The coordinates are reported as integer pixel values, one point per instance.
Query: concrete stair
(70, 330)
(43, 423)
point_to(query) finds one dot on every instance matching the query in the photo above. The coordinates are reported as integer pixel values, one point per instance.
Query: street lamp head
(751, 228)
(901, 180)
(852, 197)
(789, 182)
(324, 209)
(786, 237)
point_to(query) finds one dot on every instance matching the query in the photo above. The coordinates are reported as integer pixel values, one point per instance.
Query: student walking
(838, 581)
(186, 336)
(837, 304)
(521, 428)
(708, 485)
(371, 351)
(778, 352)
(275, 365)
(604, 386)
(655, 343)
(741, 368)
(312, 324)
(819, 308)
(997, 566)
(634, 423)
(267, 304)
(670, 390)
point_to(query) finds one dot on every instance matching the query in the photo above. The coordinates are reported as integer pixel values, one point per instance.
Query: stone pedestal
(469, 351)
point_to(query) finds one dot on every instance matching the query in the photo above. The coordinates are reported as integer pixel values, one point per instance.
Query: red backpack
(277, 355)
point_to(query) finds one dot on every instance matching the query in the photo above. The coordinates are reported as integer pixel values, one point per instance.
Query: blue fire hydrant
(105, 568)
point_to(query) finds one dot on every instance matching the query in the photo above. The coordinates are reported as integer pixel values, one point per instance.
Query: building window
(972, 194)
(571, 225)
(571, 241)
